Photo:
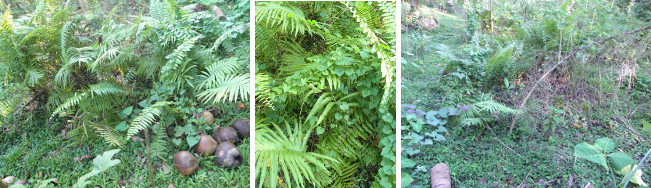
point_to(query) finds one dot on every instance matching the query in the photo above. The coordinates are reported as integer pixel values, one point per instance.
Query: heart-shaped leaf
(606, 144)
(407, 163)
(417, 126)
(591, 153)
(192, 140)
(443, 112)
(620, 160)
(405, 180)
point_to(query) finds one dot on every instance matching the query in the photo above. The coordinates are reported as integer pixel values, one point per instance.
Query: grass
(531, 156)
(34, 152)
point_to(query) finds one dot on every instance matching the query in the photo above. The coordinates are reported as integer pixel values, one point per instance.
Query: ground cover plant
(325, 94)
(526, 93)
(105, 93)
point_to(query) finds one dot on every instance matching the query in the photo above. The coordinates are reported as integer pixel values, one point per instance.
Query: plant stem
(151, 169)
(628, 176)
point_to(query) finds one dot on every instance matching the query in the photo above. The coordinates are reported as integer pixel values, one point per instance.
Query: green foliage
(328, 67)
(112, 71)
(621, 162)
(554, 118)
(483, 112)
(278, 151)
(101, 163)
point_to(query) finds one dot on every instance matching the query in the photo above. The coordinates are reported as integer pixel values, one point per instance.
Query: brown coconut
(208, 117)
(226, 134)
(227, 155)
(242, 126)
(206, 146)
(185, 163)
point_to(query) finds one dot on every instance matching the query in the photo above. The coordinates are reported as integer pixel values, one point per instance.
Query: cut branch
(218, 12)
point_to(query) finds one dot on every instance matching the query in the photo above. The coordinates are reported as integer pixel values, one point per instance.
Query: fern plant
(329, 67)
(483, 112)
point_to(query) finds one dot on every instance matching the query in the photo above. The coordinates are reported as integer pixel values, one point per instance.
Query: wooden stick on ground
(524, 101)
(218, 12)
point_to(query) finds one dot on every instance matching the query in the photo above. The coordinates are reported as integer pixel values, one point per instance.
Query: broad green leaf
(427, 142)
(320, 130)
(606, 144)
(647, 126)
(126, 112)
(192, 140)
(431, 115)
(637, 176)
(441, 129)
(417, 126)
(405, 180)
(100, 164)
(122, 126)
(591, 153)
(344, 106)
(620, 160)
(407, 163)
(443, 112)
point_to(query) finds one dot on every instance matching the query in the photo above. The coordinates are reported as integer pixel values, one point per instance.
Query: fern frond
(95, 90)
(146, 117)
(262, 90)
(277, 151)
(32, 76)
(112, 137)
(227, 34)
(290, 19)
(228, 88)
(481, 112)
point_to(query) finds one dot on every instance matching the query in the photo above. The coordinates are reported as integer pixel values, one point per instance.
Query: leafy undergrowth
(325, 94)
(84, 78)
(37, 153)
(600, 91)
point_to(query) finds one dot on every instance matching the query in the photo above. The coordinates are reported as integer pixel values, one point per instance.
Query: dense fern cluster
(91, 66)
(325, 85)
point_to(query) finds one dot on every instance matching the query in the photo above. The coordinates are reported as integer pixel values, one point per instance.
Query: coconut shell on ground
(226, 134)
(242, 126)
(227, 155)
(440, 176)
(185, 163)
(208, 117)
(206, 146)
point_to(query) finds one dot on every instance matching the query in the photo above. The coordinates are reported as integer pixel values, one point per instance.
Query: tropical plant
(622, 163)
(326, 70)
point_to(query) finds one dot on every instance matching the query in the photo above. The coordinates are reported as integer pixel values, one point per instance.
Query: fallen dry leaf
(161, 166)
(137, 139)
(79, 159)
(170, 185)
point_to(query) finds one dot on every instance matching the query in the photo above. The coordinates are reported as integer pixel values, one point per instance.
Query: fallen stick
(524, 101)
(218, 12)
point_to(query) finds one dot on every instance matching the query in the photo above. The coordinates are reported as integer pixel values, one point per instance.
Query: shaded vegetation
(574, 71)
